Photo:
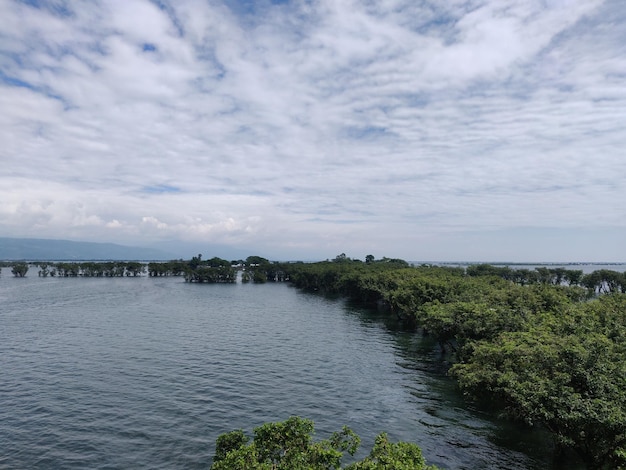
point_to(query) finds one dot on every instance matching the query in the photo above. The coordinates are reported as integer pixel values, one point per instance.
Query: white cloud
(317, 128)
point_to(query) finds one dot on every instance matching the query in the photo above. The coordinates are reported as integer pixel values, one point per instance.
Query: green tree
(252, 261)
(573, 276)
(135, 268)
(572, 384)
(19, 269)
(44, 270)
(389, 456)
(195, 261)
(217, 262)
(289, 445)
(228, 442)
(605, 281)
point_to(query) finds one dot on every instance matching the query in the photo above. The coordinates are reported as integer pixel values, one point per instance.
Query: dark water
(146, 373)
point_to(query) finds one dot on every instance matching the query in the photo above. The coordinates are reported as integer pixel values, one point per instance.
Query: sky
(457, 130)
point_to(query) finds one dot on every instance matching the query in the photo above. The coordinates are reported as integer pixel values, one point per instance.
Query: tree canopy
(19, 269)
(289, 445)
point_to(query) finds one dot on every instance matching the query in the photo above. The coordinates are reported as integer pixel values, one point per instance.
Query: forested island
(545, 347)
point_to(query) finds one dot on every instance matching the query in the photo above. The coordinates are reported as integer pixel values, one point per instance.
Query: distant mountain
(36, 249)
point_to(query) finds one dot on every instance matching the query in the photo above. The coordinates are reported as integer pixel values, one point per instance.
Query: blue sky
(489, 130)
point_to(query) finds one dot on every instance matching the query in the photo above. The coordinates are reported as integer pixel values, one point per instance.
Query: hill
(47, 250)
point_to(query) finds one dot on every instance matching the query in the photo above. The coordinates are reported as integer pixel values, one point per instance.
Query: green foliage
(217, 262)
(168, 268)
(45, 270)
(289, 445)
(229, 442)
(488, 270)
(134, 268)
(211, 274)
(565, 372)
(212, 271)
(252, 261)
(342, 258)
(389, 456)
(605, 281)
(19, 269)
(259, 276)
(260, 270)
(540, 275)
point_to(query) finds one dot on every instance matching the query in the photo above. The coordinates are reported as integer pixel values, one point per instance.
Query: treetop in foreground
(289, 445)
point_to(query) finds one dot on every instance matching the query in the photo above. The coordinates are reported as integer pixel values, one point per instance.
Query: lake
(108, 373)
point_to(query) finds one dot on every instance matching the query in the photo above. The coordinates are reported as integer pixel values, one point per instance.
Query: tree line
(254, 269)
(546, 349)
(81, 269)
(260, 270)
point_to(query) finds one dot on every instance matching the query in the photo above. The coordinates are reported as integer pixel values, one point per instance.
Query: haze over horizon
(452, 131)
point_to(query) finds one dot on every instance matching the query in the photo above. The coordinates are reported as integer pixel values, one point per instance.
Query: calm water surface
(146, 373)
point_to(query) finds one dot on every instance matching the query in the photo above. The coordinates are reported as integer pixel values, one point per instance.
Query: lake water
(147, 372)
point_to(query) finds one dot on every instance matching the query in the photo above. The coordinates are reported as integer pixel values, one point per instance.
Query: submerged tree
(45, 270)
(19, 269)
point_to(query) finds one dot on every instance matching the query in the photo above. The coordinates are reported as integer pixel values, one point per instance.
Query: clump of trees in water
(83, 269)
(289, 445)
(19, 269)
(214, 270)
(546, 348)
(254, 269)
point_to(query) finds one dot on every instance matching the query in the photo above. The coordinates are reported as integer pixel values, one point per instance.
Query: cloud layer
(424, 130)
